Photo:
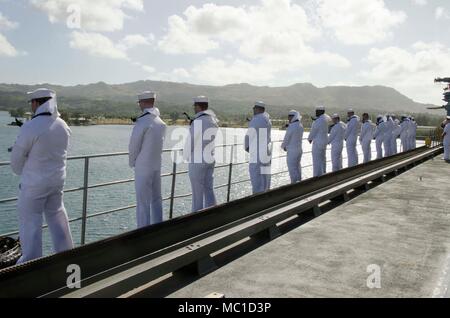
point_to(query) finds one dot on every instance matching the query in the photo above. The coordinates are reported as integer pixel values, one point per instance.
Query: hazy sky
(398, 43)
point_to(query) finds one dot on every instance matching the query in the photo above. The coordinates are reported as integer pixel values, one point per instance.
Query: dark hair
(321, 112)
(202, 105)
(42, 101)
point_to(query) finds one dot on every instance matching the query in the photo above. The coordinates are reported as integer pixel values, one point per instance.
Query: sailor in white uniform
(318, 137)
(39, 156)
(366, 137)
(412, 131)
(395, 134)
(351, 137)
(146, 146)
(199, 152)
(379, 136)
(389, 136)
(293, 145)
(258, 143)
(336, 140)
(446, 138)
(404, 134)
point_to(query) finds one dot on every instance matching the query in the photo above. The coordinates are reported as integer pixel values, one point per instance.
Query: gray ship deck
(403, 226)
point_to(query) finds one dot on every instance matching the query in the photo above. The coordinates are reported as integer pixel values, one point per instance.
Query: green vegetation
(232, 103)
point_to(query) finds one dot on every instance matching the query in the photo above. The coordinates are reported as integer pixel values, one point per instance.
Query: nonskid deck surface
(117, 266)
(402, 226)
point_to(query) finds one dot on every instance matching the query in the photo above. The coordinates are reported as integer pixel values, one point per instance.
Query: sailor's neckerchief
(150, 111)
(203, 114)
(353, 117)
(49, 108)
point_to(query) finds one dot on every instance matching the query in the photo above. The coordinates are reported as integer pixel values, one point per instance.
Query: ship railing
(173, 175)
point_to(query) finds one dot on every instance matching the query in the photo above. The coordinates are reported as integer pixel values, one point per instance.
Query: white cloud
(98, 15)
(441, 13)
(7, 24)
(99, 45)
(253, 29)
(134, 40)
(220, 72)
(181, 39)
(356, 22)
(146, 68)
(96, 44)
(6, 48)
(271, 37)
(410, 71)
(420, 2)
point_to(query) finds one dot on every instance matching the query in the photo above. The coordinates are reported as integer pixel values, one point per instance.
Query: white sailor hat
(380, 116)
(335, 116)
(320, 108)
(260, 104)
(147, 95)
(350, 110)
(201, 99)
(293, 113)
(41, 93)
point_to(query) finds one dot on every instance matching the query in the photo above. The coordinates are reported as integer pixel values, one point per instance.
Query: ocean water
(112, 139)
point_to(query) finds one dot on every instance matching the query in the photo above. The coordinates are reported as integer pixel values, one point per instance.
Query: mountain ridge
(230, 100)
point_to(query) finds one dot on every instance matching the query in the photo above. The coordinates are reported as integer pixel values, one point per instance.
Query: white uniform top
(319, 131)
(381, 131)
(293, 141)
(396, 129)
(259, 136)
(147, 141)
(337, 135)
(404, 129)
(447, 136)
(352, 128)
(412, 131)
(390, 129)
(366, 132)
(40, 152)
(200, 145)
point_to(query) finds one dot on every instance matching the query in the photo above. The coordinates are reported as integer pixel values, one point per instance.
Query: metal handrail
(86, 187)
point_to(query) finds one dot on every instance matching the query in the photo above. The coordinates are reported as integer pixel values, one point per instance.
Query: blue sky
(398, 43)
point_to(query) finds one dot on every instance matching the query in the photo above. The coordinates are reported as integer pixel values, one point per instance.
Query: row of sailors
(40, 153)
(388, 129)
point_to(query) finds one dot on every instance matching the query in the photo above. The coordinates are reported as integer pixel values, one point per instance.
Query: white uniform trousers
(33, 204)
(447, 151)
(352, 153)
(148, 197)
(394, 148)
(367, 151)
(261, 177)
(379, 145)
(388, 148)
(336, 157)
(319, 154)
(294, 159)
(405, 144)
(202, 182)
